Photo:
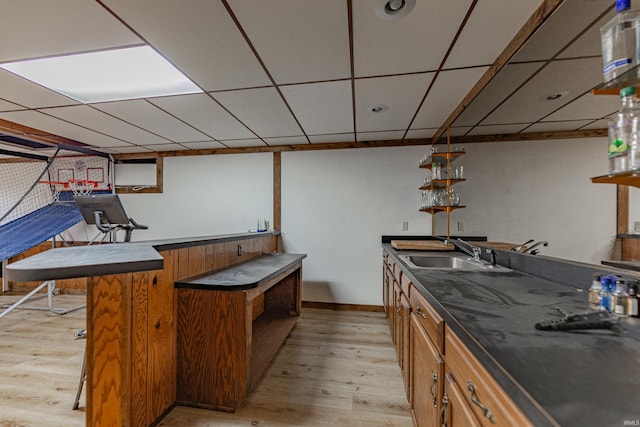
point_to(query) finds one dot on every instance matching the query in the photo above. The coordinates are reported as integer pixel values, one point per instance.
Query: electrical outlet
(239, 250)
(405, 225)
(460, 226)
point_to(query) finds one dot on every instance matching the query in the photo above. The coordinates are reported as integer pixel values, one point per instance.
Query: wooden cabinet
(456, 412)
(487, 400)
(427, 369)
(447, 385)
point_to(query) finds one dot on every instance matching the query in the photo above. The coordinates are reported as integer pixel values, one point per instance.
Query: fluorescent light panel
(136, 72)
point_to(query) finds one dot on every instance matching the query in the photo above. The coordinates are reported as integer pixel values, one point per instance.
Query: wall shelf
(631, 178)
(436, 209)
(438, 184)
(612, 87)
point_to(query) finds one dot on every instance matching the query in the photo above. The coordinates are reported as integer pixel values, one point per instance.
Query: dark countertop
(98, 260)
(586, 378)
(627, 265)
(246, 275)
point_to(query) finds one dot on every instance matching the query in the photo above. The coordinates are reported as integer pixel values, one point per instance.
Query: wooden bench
(230, 325)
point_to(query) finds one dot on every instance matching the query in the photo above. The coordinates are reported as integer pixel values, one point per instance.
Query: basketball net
(82, 187)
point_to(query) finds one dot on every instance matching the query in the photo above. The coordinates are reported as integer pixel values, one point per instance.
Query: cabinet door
(426, 380)
(405, 344)
(456, 413)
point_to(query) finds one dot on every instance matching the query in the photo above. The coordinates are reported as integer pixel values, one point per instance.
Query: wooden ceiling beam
(536, 20)
(34, 134)
(532, 136)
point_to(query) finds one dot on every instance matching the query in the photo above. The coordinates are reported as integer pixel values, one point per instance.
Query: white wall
(335, 207)
(203, 195)
(541, 190)
(337, 204)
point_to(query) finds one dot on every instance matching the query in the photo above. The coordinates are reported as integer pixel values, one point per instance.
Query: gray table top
(242, 276)
(99, 260)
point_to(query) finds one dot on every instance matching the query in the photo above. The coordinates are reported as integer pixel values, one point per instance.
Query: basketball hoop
(56, 188)
(82, 187)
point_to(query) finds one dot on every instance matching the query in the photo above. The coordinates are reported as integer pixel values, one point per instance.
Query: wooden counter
(230, 325)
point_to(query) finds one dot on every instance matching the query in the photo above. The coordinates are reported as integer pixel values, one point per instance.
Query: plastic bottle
(618, 39)
(594, 291)
(605, 294)
(620, 298)
(632, 302)
(624, 129)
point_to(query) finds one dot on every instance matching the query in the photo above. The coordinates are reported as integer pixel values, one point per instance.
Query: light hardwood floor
(337, 368)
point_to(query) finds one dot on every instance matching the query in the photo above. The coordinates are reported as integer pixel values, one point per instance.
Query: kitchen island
(545, 378)
(135, 315)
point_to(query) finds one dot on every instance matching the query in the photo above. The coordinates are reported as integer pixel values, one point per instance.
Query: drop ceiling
(290, 73)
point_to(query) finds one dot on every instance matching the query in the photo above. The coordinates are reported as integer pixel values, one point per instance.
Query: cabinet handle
(443, 410)
(420, 313)
(474, 399)
(434, 400)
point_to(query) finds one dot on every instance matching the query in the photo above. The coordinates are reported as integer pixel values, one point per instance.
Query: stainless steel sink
(447, 263)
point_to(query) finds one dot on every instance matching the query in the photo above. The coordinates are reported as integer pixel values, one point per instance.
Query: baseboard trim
(336, 306)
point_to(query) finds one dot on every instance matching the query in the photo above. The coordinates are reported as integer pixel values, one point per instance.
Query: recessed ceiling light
(394, 9)
(378, 108)
(555, 95)
(136, 72)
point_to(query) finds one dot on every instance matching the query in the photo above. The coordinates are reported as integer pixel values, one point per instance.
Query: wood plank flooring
(336, 368)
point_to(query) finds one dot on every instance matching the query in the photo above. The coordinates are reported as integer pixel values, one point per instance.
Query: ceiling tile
(147, 116)
(128, 149)
(556, 126)
(420, 133)
(414, 43)
(199, 37)
(58, 127)
(588, 106)
(287, 140)
(481, 44)
(401, 94)
(91, 118)
(166, 147)
(203, 145)
(598, 124)
(329, 112)
(565, 24)
(589, 44)
(458, 131)
(499, 88)
(380, 136)
(262, 110)
(336, 137)
(575, 76)
(23, 92)
(35, 28)
(447, 92)
(312, 46)
(497, 129)
(9, 106)
(205, 114)
(252, 142)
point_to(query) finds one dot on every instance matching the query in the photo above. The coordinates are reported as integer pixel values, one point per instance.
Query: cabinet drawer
(397, 273)
(428, 318)
(479, 388)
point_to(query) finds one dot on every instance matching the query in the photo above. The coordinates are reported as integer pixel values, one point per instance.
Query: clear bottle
(632, 302)
(594, 291)
(618, 38)
(620, 298)
(624, 130)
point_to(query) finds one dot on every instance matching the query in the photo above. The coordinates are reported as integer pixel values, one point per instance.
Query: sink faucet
(531, 248)
(468, 249)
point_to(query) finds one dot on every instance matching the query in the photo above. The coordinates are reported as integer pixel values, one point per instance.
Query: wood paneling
(108, 349)
(197, 260)
(211, 350)
(139, 393)
(277, 191)
(622, 209)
